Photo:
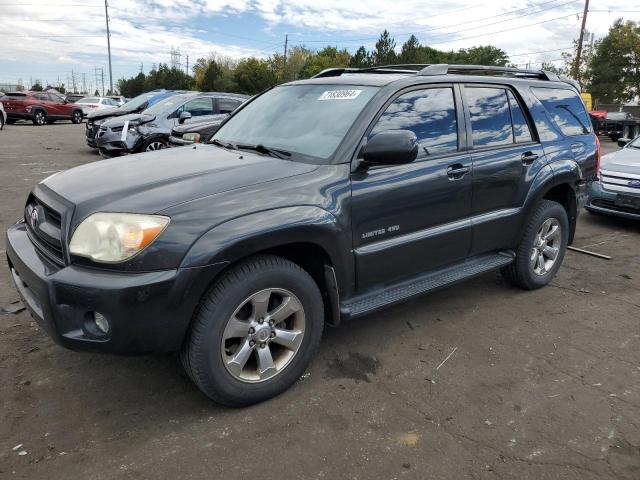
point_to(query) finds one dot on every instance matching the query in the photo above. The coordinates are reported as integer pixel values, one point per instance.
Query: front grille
(611, 205)
(620, 182)
(44, 228)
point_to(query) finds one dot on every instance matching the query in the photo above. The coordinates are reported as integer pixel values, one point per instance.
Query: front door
(411, 218)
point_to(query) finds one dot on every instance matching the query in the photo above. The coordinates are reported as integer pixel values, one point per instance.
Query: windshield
(306, 120)
(88, 100)
(167, 105)
(635, 143)
(135, 103)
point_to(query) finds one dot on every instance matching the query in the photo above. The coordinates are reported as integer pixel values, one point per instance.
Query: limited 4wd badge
(339, 94)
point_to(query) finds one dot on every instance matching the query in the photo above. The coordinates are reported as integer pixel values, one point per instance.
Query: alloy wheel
(546, 247)
(155, 146)
(40, 119)
(263, 335)
(77, 117)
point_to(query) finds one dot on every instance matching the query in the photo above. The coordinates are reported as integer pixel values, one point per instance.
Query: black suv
(318, 200)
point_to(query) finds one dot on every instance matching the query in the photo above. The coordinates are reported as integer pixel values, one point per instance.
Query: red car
(39, 107)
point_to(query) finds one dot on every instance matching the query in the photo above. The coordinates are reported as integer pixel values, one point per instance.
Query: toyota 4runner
(318, 200)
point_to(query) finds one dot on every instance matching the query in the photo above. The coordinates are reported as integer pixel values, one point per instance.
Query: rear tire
(76, 117)
(39, 118)
(252, 297)
(542, 248)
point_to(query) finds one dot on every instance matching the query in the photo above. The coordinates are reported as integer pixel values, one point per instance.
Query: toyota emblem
(33, 217)
(634, 184)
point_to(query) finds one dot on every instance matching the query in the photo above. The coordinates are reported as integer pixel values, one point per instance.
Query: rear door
(506, 157)
(412, 218)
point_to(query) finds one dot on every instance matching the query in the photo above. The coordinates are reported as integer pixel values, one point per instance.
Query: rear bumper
(604, 201)
(147, 312)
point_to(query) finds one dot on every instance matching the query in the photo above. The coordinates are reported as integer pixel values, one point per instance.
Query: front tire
(39, 118)
(255, 332)
(154, 144)
(76, 117)
(542, 248)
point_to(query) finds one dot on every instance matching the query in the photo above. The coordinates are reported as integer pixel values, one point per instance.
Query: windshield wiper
(228, 146)
(274, 152)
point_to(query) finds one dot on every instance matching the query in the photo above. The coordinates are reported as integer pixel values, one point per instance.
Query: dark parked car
(135, 105)
(39, 107)
(74, 97)
(150, 130)
(197, 132)
(318, 200)
(616, 125)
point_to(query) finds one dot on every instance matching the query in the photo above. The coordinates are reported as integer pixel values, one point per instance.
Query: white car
(3, 116)
(91, 104)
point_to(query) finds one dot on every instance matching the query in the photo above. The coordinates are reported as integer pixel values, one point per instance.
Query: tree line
(253, 75)
(609, 70)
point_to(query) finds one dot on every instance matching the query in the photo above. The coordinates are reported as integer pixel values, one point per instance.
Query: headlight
(191, 137)
(115, 237)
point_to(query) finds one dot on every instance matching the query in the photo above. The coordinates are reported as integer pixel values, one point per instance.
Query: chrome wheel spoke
(240, 357)
(552, 234)
(288, 307)
(260, 304)
(236, 329)
(550, 252)
(540, 264)
(290, 339)
(266, 367)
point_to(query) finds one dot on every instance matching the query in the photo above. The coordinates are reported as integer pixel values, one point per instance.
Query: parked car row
(147, 122)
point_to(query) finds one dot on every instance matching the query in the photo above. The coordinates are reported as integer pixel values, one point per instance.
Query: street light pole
(106, 16)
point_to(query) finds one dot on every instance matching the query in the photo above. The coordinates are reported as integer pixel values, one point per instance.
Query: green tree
(254, 75)
(410, 52)
(385, 53)
(36, 87)
(615, 66)
(361, 59)
(328, 57)
(211, 73)
(483, 55)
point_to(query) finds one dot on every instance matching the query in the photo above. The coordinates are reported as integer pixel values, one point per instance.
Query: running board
(427, 282)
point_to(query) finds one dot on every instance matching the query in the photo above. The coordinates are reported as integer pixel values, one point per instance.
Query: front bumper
(605, 202)
(147, 312)
(111, 144)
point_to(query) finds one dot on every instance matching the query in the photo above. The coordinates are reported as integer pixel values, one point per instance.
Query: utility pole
(73, 77)
(576, 71)
(102, 73)
(106, 16)
(284, 65)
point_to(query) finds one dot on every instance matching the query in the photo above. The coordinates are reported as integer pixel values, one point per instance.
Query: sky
(56, 40)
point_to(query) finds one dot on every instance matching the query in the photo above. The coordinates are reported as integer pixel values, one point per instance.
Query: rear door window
(490, 116)
(227, 105)
(521, 130)
(566, 110)
(430, 114)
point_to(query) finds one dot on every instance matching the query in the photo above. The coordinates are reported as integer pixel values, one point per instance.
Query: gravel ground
(477, 381)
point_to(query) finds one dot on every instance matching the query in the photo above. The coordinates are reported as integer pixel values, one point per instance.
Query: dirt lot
(536, 385)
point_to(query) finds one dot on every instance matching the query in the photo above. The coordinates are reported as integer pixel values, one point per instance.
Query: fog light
(101, 322)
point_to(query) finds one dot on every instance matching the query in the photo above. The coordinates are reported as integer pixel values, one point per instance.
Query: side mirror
(391, 147)
(184, 116)
(623, 141)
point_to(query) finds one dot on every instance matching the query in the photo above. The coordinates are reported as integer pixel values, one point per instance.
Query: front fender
(243, 236)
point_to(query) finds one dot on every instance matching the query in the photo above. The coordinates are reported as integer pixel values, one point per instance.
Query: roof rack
(444, 69)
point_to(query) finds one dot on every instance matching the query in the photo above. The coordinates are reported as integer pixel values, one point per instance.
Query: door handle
(457, 171)
(529, 157)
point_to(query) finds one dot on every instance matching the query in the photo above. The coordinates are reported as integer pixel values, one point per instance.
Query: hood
(110, 112)
(133, 118)
(154, 181)
(626, 160)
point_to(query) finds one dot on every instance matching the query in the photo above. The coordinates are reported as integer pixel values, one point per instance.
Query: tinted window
(199, 106)
(520, 127)
(226, 105)
(42, 96)
(566, 110)
(430, 114)
(490, 117)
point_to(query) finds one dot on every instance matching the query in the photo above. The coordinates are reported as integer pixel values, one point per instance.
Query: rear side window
(226, 105)
(490, 116)
(566, 110)
(521, 130)
(430, 114)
